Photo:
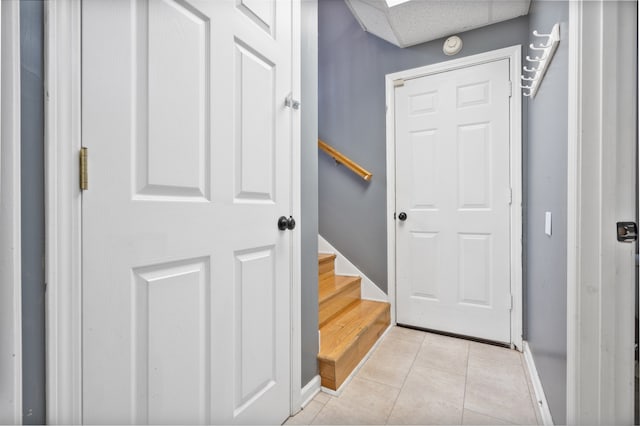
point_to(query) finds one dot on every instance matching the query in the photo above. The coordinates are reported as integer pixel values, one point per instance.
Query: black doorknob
(285, 223)
(291, 223)
(402, 216)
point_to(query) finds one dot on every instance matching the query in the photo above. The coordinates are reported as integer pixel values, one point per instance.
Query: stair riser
(334, 372)
(326, 269)
(331, 307)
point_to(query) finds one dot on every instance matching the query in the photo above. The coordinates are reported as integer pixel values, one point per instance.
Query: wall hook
(533, 47)
(536, 59)
(537, 34)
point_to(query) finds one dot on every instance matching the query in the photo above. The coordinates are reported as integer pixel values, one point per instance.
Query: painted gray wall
(309, 188)
(351, 116)
(32, 181)
(546, 266)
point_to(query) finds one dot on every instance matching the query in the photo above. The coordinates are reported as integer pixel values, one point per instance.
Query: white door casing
(465, 213)
(601, 190)
(186, 278)
(10, 208)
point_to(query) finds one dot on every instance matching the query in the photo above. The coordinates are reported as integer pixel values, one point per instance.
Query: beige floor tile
(497, 364)
(494, 354)
(363, 402)
(322, 397)
(406, 334)
(391, 362)
(472, 418)
(505, 397)
(306, 415)
(444, 353)
(429, 396)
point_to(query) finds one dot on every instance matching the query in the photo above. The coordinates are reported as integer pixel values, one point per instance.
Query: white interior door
(453, 185)
(186, 277)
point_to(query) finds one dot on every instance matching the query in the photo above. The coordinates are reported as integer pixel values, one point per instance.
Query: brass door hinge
(84, 177)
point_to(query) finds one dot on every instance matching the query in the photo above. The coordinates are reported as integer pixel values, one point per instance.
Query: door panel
(186, 277)
(255, 129)
(452, 177)
(170, 326)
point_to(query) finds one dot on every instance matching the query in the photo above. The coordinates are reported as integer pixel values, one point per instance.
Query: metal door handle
(627, 231)
(402, 216)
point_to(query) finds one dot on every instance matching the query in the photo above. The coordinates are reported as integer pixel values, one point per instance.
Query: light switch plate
(547, 223)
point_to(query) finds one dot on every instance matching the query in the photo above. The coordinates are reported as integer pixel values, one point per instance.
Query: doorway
(454, 149)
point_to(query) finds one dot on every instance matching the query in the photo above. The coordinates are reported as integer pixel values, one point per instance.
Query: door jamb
(602, 120)
(295, 316)
(63, 249)
(10, 217)
(63, 218)
(513, 53)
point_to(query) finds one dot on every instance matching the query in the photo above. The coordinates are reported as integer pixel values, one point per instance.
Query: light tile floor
(422, 378)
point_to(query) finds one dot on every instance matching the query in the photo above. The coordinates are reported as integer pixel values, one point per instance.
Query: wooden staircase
(349, 326)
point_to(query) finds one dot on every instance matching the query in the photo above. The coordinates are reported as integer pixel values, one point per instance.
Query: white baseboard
(310, 390)
(358, 367)
(368, 289)
(543, 406)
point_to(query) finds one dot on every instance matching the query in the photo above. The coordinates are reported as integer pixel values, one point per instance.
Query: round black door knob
(402, 216)
(283, 223)
(291, 223)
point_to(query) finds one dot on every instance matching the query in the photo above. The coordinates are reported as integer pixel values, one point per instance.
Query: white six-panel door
(186, 277)
(453, 184)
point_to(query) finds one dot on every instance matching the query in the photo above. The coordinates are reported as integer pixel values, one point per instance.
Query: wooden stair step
(326, 265)
(335, 294)
(347, 338)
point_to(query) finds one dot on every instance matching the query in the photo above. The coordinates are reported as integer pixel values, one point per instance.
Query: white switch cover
(547, 223)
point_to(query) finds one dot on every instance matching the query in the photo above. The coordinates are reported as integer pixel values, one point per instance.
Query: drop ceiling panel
(373, 19)
(419, 21)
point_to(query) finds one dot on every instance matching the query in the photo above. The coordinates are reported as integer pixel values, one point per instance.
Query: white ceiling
(409, 22)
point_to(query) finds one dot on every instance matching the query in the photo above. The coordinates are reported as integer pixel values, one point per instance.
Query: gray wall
(546, 265)
(351, 117)
(32, 181)
(309, 166)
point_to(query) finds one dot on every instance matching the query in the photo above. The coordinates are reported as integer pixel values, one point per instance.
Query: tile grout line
(323, 407)
(386, 422)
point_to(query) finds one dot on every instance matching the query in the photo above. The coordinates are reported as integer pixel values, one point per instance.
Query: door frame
(513, 53)
(63, 218)
(10, 216)
(601, 79)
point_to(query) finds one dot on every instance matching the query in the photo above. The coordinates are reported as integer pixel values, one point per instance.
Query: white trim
(368, 289)
(309, 391)
(512, 53)
(296, 252)
(543, 406)
(574, 124)
(10, 221)
(63, 212)
(355, 371)
(600, 271)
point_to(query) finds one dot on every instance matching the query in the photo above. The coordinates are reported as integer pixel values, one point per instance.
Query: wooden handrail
(342, 159)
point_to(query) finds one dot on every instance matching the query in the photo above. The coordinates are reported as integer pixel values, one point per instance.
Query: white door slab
(186, 277)
(453, 182)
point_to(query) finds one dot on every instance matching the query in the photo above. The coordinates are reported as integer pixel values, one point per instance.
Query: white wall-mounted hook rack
(547, 49)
